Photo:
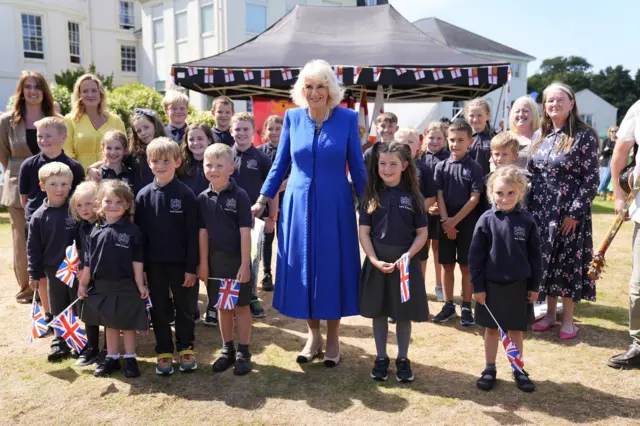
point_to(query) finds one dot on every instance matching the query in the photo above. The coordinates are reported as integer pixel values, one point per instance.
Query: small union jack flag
(437, 74)
(228, 296)
(148, 306)
(473, 76)
(418, 73)
(376, 73)
(405, 293)
(455, 73)
(67, 326)
(401, 71)
(265, 78)
(228, 76)
(513, 354)
(356, 74)
(248, 74)
(286, 73)
(493, 75)
(68, 269)
(339, 74)
(192, 71)
(38, 323)
(208, 75)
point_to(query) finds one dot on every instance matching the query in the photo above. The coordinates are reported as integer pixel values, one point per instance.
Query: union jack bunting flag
(208, 75)
(473, 76)
(147, 307)
(405, 293)
(68, 269)
(228, 295)
(248, 74)
(38, 323)
(437, 74)
(493, 75)
(192, 71)
(513, 354)
(418, 73)
(455, 73)
(376, 73)
(228, 76)
(401, 71)
(67, 326)
(265, 78)
(286, 73)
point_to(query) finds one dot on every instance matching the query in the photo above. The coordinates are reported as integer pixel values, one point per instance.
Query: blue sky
(603, 32)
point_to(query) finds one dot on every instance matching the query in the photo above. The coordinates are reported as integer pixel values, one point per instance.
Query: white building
(176, 31)
(596, 112)
(50, 36)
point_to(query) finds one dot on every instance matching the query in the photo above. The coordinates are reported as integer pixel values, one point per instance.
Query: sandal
(523, 382)
(487, 380)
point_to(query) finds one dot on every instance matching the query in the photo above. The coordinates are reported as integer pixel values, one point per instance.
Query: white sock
(133, 355)
(116, 356)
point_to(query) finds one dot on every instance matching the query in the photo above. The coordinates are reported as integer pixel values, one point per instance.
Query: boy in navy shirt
(51, 231)
(52, 132)
(251, 170)
(224, 219)
(459, 181)
(222, 110)
(504, 149)
(166, 214)
(386, 128)
(176, 107)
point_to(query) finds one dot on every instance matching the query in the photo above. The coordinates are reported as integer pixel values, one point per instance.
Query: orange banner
(263, 108)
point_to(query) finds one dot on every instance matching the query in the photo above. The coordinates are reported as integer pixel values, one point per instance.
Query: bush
(68, 77)
(201, 117)
(125, 99)
(63, 96)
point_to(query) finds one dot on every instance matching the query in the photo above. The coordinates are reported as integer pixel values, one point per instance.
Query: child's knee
(449, 267)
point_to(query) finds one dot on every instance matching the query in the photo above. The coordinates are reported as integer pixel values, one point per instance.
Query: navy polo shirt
(113, 247)
(252, 169)
(125, 175)
(458, 179)
(425, 180)
(396, 219)
(81, 236)
(431, 159)
(480, 150)
(175, 133)
(222, 136)
(142, 174)
(368, 153)
(195, 180)
(270, 151)
(29, 184)
(505, 247)
(51, 231)
(168, 219)
(222, 215)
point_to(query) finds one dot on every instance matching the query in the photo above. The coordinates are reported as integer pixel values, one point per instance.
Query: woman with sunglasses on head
(604, 157)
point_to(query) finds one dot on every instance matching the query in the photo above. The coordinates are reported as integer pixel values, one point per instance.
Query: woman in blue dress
(318, 263)
(563, 164)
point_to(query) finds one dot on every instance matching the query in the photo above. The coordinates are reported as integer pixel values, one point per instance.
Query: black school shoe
(626, 361)
(47, 318)
(58, 352)
(267, 282)
(102, 355)
(131, 368)
(448, 311)
(403, 371)
(226, 360)
(466, 317)
(107, 367)
(211, 318)
(243, 364)
(523, 382)
(87, 357)
(380, 371)
(257, 311)
(487, 380)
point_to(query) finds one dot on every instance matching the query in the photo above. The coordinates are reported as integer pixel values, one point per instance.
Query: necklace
(325, 118)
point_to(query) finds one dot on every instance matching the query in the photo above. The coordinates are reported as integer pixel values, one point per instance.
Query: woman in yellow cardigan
(88, 121)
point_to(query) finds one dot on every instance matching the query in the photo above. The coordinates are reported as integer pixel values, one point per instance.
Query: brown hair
(187, 156)
(511, 174)
(173, 97)
(163, 147)
(276, 119)
(19, 105)
(222, 100)
(119, 189)
(478, 103)
(113, 135)
(135, 144)
(387, 117)
(77, 107)
(434, 126)
(243, 116)
(505, 140)
(461, 126)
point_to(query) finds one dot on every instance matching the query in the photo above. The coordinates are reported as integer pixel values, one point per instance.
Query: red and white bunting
(376, 73)
(418, 73)
(339, 73)
(208, 75)
(455, 73)
(473, 77)
(265, 78)
(172, 78)
(248, 74)
(493, 75)
(437, 74)
(401, 71)
(228, 76)
(286, 73)
(192, 71)
(356, 74)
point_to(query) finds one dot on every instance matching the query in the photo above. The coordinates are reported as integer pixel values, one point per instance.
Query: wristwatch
(262, 200)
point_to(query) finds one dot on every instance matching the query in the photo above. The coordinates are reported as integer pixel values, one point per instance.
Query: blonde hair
(478, 103)
(535, 114)
(219, 150)
(163, 147)
(77, 108)
(222, 100)
(243, 116)
(173, 97)
(319, 71)
(434, 126)
(276, 119)
(52, 169)
(88, 188)
(505, 140)
(57, 123)
(512, 175)
(114, 187)
(114, 135)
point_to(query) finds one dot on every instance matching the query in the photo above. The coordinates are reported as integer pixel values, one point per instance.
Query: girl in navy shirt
(114, 265)
(145, 127)
(114, 151)
(392, 223)
(505, 263)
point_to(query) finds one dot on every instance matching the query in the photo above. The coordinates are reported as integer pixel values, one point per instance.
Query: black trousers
(60, 296)
(267, 242)
(193, 298)
(162, 277)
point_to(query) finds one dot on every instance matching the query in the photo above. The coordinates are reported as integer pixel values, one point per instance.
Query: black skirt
(508, 303)
(380, 292)
(115, 304)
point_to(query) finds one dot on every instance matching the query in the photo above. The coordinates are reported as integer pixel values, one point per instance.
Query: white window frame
(455, 107)
(204, 4)
(30, 53)
(515, 70)
(260, 3)
(155, 19)
(74, 42)
(131, 16)
(179, 13)
(128, 64)
(589, 119)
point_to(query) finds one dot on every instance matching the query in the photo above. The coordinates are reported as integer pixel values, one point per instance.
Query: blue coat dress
(318, 264)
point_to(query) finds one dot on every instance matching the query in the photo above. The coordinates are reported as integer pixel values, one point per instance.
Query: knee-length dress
(318, 263)
(564, 184)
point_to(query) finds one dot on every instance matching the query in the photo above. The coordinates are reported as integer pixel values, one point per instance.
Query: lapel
(20, 148)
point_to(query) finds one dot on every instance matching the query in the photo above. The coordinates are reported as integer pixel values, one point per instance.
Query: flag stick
(58, 316)
(33, 303)
(494, 318)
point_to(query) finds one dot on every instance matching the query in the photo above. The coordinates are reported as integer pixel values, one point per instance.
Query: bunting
(192, 71)
(418, 73)
(455, 73)
(208, 75)
(228, 76)
(248, 74)
(356, 74)
(493, 75)
(376, 73)
(473, 76)
(286, 73)
(265, 78)
(401, 71)
(339, 73)
(437, 74)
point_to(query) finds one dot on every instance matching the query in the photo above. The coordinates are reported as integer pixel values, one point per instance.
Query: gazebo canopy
(367, 46)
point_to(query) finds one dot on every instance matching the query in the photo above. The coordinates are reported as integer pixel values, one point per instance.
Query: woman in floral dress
(564, 182)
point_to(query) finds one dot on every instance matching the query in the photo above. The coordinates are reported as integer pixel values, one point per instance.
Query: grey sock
(403, 334)
(490, 367)
(380, 332)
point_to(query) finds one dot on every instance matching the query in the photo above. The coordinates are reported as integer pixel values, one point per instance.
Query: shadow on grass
(67, 374)
(614, 314)
(592, 335)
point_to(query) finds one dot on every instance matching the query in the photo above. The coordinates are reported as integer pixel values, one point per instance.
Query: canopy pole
(499, 102)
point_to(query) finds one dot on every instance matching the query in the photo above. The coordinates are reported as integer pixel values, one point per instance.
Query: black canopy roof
(367, 46)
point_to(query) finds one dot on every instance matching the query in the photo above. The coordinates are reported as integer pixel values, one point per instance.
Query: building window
(127, 15)
(256, 18)
(587, 118)
(456, 108)
(515, 70)
(371, 2)
(160, 69)
(182, 22)
(32, 40)
(74, 42)
(157, 18)
(207, 17)
(128, 59)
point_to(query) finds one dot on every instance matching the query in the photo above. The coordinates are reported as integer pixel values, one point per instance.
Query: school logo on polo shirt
(405, 203)
(466, 172)
(252, 164)
(175, 205)
(69, 223)
(231, 205)
(519, 233)
(123, 241)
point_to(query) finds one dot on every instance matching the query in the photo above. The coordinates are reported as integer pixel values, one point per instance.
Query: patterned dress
(565, 184)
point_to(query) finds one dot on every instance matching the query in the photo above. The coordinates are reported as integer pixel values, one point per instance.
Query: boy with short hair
(51, 231)
(386, 128)
(224, 219)
(51, 134)
(176, 107)
(504, 149)
(222, 110)
(166, 213)
(459, 181)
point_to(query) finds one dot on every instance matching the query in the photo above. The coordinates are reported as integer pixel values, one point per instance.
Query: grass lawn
(574, 383)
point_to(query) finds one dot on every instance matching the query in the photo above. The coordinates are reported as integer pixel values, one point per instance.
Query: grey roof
(460, 38)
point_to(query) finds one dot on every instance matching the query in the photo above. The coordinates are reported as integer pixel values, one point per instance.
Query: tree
(573, 70)
(125, 99)
(616, 86)
(68, 77)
